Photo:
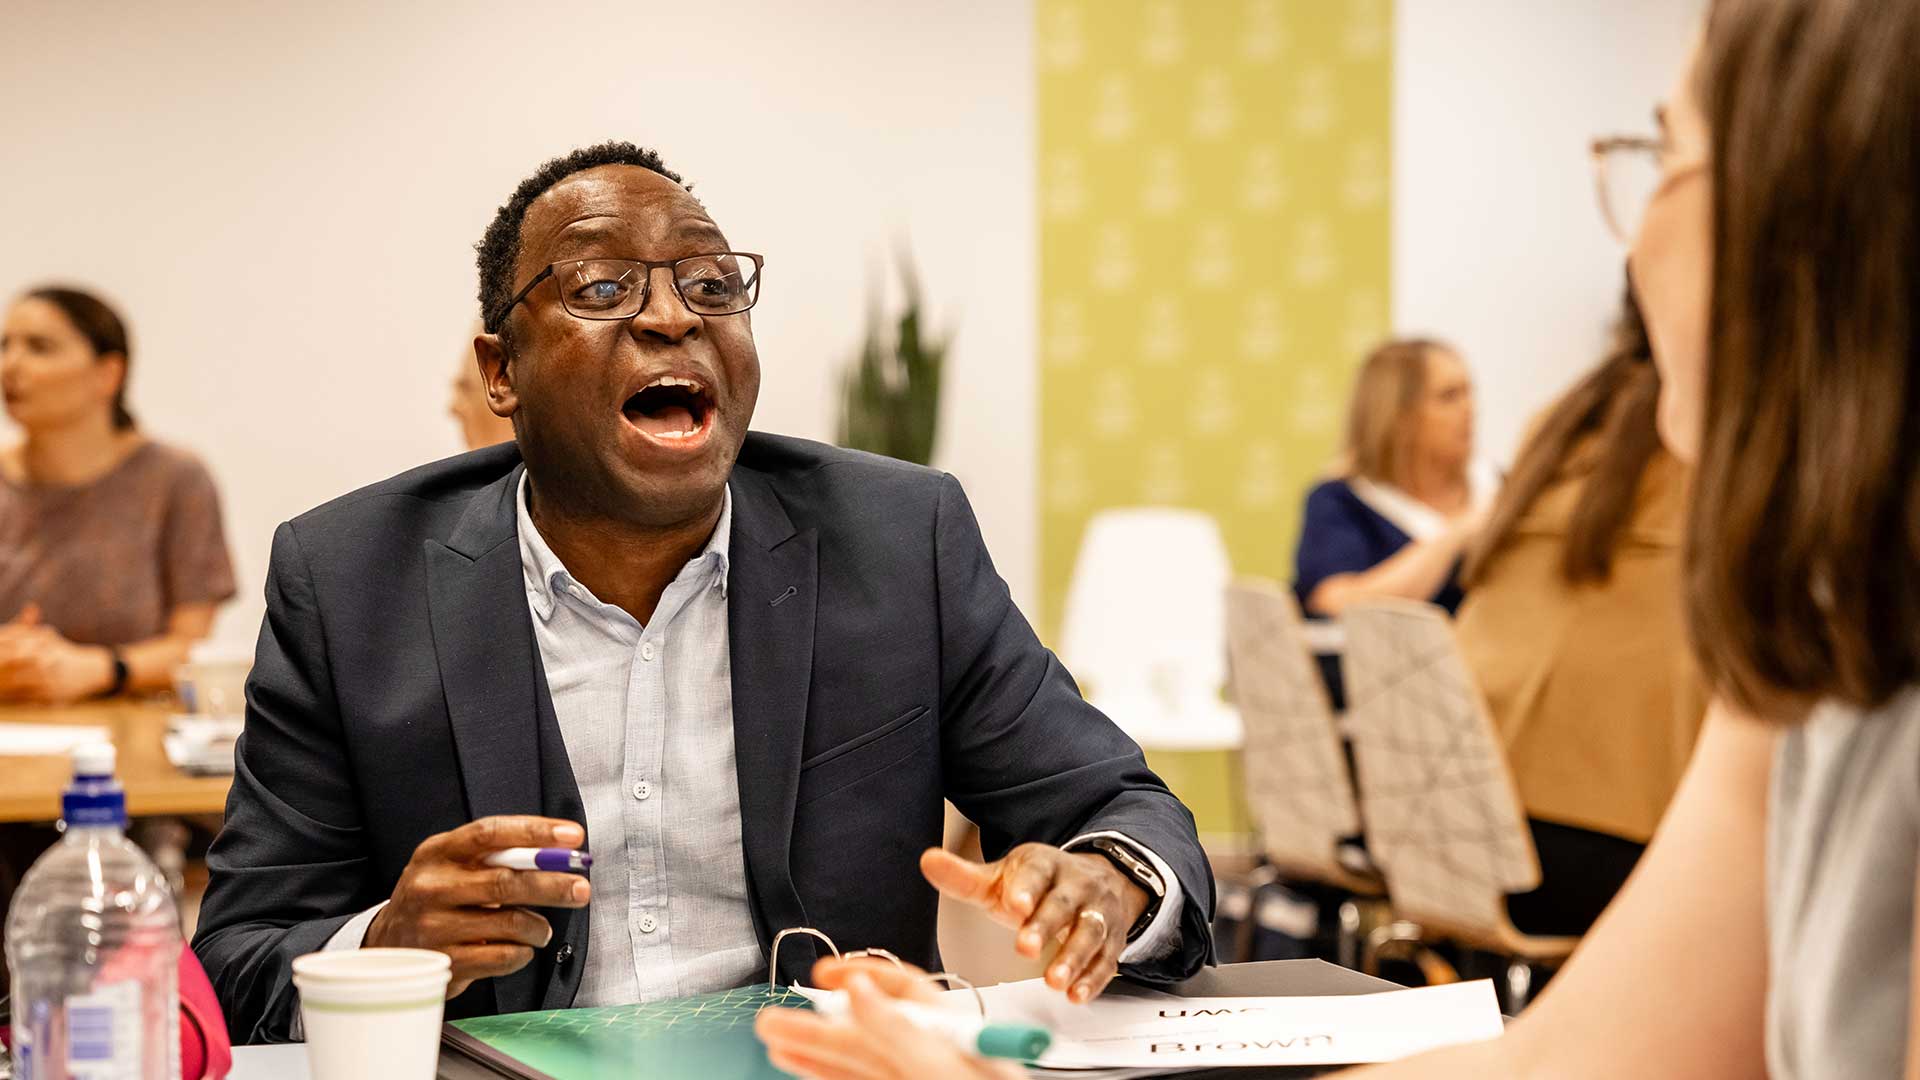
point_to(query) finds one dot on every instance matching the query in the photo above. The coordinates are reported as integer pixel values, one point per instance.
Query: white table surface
(287, 1061)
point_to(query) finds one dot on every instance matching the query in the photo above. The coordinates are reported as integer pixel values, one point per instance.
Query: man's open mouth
(672, 408)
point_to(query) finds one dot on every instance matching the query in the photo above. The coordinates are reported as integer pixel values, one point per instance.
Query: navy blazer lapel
(505, 735)
(772, 582)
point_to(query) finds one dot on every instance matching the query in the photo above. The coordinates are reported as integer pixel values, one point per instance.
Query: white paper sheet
(34, 740)
(1116, 1032)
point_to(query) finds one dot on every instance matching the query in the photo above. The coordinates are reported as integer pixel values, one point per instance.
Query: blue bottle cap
(94, 798)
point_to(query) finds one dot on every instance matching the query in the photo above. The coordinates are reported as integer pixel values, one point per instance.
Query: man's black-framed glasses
(722, 283)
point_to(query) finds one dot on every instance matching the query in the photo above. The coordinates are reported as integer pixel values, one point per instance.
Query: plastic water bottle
(93, 944)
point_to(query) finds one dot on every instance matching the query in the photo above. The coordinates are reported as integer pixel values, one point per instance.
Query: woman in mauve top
(112, 558)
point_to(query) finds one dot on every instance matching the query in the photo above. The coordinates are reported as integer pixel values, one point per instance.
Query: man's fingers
(1085, 948)
(1026, 874)
(1053, 917)
(464, 926)
(476, 840)
(472, 962)
(956, 877)
(497, 886)
(1095, 978)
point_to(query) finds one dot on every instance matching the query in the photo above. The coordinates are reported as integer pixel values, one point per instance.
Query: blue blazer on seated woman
(1345, 532)
(1395, 519)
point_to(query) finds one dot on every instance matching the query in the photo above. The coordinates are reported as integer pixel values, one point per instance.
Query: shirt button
(648, 925)
(646, 651)
(643, 791)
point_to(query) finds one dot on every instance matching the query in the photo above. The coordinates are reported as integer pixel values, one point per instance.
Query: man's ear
(490, 353)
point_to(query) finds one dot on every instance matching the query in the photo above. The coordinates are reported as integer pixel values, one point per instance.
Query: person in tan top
(1574, 629)
(112, 557)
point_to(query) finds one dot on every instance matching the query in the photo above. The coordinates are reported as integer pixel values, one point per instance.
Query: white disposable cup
(218, 682)
(372, 1012)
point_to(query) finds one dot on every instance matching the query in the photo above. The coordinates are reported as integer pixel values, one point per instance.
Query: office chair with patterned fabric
(1298, 783)
(1444, 822)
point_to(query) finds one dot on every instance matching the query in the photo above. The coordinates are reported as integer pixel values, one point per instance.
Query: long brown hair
(1388, 388)
(1803, 553)
(1616, 402)
(104, 331)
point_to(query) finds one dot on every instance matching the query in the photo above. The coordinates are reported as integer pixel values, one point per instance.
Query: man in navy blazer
(743, 671)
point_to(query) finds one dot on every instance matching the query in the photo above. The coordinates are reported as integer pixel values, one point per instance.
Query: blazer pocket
(862, 756)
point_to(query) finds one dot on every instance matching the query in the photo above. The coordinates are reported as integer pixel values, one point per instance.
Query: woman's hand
(40, 666)
(874, 1042)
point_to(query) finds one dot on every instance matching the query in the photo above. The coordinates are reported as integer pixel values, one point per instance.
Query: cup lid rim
(377, 965)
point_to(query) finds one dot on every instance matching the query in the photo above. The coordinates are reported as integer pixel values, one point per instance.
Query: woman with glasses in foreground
(1769, 929)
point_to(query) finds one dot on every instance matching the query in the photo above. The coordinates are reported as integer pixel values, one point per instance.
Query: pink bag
(205, 1051)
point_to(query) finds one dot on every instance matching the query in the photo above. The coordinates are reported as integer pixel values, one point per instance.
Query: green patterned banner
(1214, 257)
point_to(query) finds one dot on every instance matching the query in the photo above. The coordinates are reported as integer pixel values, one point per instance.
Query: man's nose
(666, 316)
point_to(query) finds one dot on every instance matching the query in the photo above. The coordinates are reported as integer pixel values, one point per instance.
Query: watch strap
(1139, 871)
(120, 673)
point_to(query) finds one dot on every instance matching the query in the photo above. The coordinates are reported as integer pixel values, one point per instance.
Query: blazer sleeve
(290, 866)
(1024, 755)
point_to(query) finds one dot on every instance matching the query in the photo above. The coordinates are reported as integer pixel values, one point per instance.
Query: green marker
(1016, 1042)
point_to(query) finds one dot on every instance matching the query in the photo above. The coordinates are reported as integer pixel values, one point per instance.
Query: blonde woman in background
(1396, 519)
(1403, 503)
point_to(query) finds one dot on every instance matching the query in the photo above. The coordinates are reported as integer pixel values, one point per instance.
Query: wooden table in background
(30, 787)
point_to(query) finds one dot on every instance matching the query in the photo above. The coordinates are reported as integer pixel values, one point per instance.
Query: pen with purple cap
(564, 860)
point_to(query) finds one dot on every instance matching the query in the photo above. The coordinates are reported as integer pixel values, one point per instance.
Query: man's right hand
(447, 900)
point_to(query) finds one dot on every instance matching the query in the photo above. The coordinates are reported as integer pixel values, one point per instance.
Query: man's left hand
(1046, 894)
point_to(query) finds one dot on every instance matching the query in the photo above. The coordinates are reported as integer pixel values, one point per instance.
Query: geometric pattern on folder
(708, 1037)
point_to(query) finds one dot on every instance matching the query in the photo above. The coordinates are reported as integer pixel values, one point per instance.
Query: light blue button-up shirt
(647, 716)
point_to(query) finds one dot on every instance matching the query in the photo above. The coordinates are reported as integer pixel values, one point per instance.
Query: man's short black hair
(499, 247)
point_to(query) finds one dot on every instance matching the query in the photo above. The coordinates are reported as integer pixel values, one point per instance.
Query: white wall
(1497, 240)
(283, 200)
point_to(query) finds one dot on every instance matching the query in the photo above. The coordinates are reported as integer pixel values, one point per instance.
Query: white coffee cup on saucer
(372, 1012)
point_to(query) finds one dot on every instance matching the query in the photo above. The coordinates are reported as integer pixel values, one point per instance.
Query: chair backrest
(1145, 611)
(1444, 823)
(1299, 788)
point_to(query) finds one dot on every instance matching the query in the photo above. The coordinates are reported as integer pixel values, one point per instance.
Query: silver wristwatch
(1137, 869)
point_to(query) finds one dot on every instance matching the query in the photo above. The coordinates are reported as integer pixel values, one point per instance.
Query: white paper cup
(372, 1012)
(213, 684)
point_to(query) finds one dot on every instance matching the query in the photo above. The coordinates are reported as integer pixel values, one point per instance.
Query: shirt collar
(546, 575)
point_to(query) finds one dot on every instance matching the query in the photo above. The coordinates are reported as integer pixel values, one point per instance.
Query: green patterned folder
(709, 1037)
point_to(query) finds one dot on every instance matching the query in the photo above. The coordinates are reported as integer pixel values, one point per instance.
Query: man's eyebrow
(587, 230)
(699, 228)
(605, 228)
